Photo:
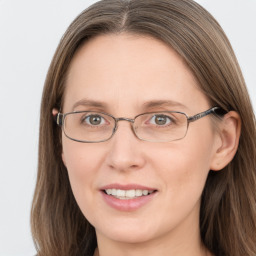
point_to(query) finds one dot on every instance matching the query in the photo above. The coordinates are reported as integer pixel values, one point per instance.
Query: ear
(55, 112)
(229, 134)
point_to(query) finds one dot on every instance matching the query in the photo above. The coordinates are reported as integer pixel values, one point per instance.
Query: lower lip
(127, 204)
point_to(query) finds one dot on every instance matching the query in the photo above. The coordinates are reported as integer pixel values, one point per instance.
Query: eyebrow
(163, 103)
(145, 106)
(91, 103)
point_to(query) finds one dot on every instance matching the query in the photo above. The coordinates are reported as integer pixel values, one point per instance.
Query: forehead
(125, 71)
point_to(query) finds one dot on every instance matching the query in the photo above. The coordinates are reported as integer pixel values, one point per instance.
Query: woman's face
(126, 75)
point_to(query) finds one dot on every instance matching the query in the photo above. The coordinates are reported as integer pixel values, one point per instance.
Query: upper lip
(126, 187)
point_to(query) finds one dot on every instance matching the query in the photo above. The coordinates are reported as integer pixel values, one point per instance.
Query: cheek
(184, 168)
(82, 163)
(80, 159)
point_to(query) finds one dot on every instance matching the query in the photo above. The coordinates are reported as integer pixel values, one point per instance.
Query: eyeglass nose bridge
(123, 119)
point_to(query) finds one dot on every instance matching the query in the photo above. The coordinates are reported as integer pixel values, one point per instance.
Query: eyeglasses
(93, 127)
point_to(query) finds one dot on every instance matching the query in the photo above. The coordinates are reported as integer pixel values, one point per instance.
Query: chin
(127, 231)
(128, 236)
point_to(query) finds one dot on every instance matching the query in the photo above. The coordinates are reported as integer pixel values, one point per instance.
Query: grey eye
(160, 120)
(94, 120)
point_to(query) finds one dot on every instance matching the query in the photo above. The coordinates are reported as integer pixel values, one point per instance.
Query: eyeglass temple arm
(59, 119)
(215, 110)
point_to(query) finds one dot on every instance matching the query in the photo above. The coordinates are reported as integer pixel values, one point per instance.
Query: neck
(204, 252)
(201, 252)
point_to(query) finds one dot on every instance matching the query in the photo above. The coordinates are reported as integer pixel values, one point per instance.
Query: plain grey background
(29, 34)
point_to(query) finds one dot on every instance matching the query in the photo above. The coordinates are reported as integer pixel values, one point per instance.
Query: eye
(94, 120)
(160, 120)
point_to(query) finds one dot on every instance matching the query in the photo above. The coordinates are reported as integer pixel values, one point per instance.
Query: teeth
(138, 192)
(120, 193)
(113, 192)
(128, 194)
(144, 192)
(108, 191)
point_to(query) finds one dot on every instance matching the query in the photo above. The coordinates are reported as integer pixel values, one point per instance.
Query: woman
(153, 149)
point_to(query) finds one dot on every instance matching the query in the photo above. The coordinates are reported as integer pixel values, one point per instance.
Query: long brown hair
(228, 207)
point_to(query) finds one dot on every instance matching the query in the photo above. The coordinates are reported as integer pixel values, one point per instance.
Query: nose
(125, 149)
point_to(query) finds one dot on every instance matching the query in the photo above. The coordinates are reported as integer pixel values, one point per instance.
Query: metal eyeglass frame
(60, 118)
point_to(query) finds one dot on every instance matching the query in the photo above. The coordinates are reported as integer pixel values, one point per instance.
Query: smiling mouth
(128, 194)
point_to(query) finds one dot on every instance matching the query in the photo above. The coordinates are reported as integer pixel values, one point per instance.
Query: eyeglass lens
(97, 127)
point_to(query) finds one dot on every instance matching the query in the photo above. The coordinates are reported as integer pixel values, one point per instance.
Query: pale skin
(124, 72)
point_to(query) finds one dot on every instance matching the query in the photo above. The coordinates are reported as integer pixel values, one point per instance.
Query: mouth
(128, 194)
(129, 197)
